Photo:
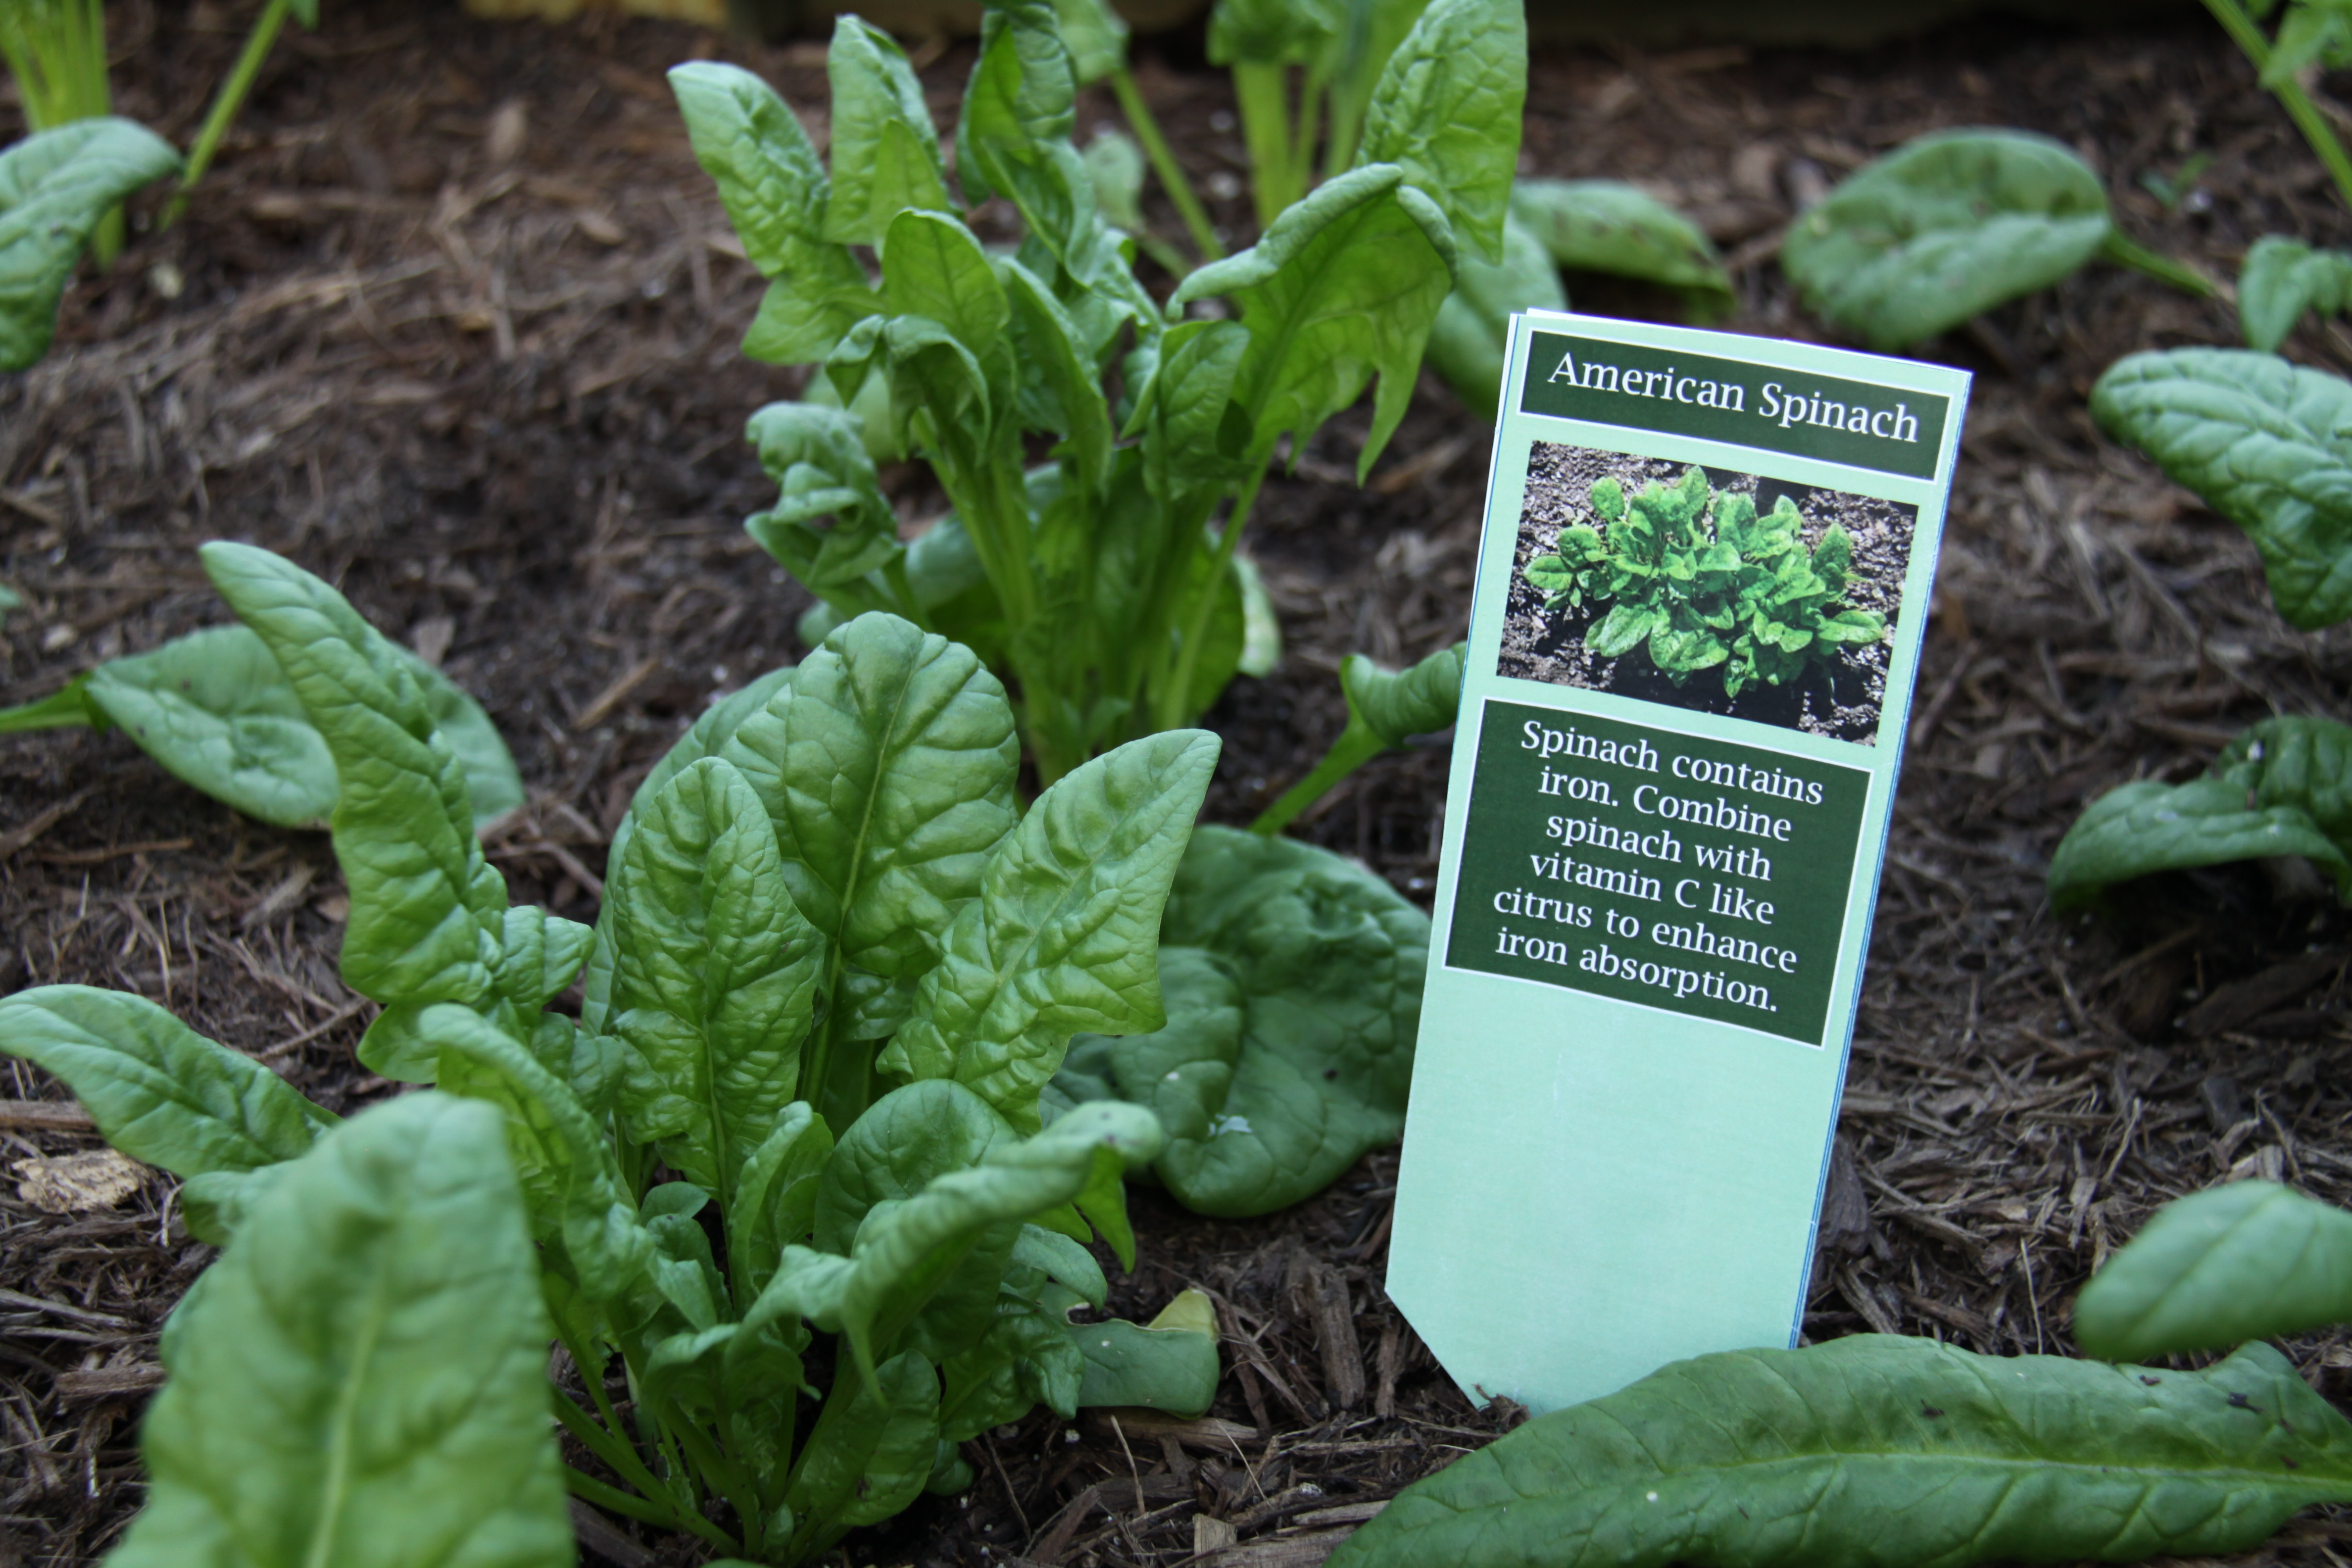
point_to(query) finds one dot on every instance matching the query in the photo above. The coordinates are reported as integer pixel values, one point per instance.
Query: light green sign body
(1657, 879)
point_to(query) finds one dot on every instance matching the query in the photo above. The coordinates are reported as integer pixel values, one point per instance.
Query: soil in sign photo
(1785, 616)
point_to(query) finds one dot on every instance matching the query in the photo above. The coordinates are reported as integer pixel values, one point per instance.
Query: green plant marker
(1701, 596)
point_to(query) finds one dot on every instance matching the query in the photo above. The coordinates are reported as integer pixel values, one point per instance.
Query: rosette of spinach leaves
(835, 967)
(2283, 787)
(1292, 979)
(1703, 581)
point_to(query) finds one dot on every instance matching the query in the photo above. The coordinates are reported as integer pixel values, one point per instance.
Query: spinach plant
(2284, 278)
(310, 1416)
(214, 708)
(1386, 709)
(1878, 1449)
(1703, 581)
(2266, 443)
(2283, 787)
(835, 968)
(1294, 980)
(56, 52)
(1950, 224)
(57, 187)
(1102, 589)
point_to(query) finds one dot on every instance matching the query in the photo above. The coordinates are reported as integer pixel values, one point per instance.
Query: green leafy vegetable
(2265, 444)
(834, 969)
(1945, 228)
(2251, 1260)
(1385, 709)
(362, 1377)
(1466, 342)
(1606, 225)
(1701, 581)
(213, 708)
(1102, 584)
(1876, 1449)
(2284, 278)
(56, 186)
(2280, 788)
(1293, 982)
(1169, 1363)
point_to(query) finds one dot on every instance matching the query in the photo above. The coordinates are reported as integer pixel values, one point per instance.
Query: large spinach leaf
(2283, 787)
(1293, 981)
(1944, 228)
(1875, 1451)
(2251, 1260)
(1606, 225)
(56, 186)
(362, 1377)
(2265, 444)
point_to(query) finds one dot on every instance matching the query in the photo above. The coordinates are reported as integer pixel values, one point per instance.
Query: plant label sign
(1702, 589)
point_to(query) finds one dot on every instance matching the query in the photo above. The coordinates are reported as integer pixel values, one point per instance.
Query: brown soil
(1841, 697)
(455, 325)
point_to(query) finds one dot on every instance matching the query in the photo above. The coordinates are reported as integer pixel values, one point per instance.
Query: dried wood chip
(2242, 1001)
(77, 1184)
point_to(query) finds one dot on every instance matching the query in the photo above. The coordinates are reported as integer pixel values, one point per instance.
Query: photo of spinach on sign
(1706, 589)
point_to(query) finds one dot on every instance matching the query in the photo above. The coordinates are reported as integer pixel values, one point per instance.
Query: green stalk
(614, 1500)
(606, 1441)
(227, 102)
(56, 51)
(1175, 699)
(63, 709)
(1162, 157)
(1262, 93)
(2119, 249)
(2290, 94)
(1356, 746)
(650, 1507)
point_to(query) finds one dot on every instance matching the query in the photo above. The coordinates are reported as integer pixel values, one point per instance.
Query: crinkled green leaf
(906, 1137)
(158, 1091)
(2284, 278)
(1446, 112)
(777, 196)
(1062, 936)
(715, 973)
(427, 908)
(1943, 229)
(1194, 434)
(1877, 1451)
(2283, 787)
(2265, 444)
(1293, 983)
(1027, 1358)
(1095, 37)
(1343, 289)
(2252, 1260)
(774, 1205)
(887, 770)
(933, 267)
(818, 458)
(1398, 704)
(1274, 32)
(1069, 392)
(362, 1378)
(868, 1455)
(1607, 225)
(1467, 343)
(886, 152)
(1013, 139)
(1169, 1364)
(56, 186)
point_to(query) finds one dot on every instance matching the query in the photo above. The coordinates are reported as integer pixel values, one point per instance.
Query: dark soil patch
(1840, 698)
(497, 399)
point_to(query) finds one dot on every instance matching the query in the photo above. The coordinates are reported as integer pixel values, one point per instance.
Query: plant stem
(1174, 704)
(227, 102)
(2290, 94)
(1262, 93)
(609, 1447)
(1180, 190)
(612, 1499)
(2127, 252)
(63, 710)
(1356, 746)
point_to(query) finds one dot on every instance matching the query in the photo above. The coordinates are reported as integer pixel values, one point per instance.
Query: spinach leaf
(1294, 981)
(1342, 289)
(1467, 341)
(361, 1377)
(158, 1091)
(1942, 228)
(2283, 787)
(213, 708)
(1169, 1363)
(2264, 443)
(1606, 225)
(1876, 1449)
(1446, 108)
(2251, 1260)
(885, 151)
(1385, 709)
(2284, 278)
(56, 186)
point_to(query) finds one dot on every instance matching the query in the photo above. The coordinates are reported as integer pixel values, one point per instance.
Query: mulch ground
(454, 323)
